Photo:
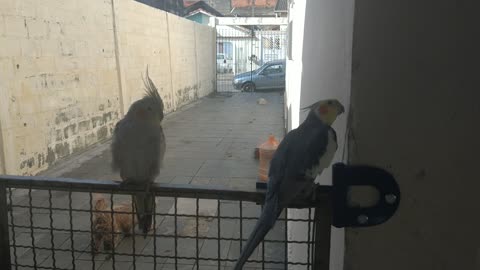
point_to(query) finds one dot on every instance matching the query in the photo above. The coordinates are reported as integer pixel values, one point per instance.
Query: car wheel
(248, 87)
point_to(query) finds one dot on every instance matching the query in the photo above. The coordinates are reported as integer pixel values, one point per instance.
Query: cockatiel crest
(150, 107)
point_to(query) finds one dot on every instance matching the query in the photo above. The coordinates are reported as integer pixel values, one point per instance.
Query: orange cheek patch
(323, 109)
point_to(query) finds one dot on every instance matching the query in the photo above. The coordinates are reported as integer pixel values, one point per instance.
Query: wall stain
(90, 139)
(97, 121)
(78, 144)
(186, 95)
(107, 117)
(102, 133)
(58, 135)
(62, 149)
(50, 159)
(27, 163)
(70, 130)
(40, 160)
(61, 117)
(84, 126)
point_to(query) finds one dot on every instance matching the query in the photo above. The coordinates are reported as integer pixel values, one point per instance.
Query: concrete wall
(69, 68)
(415, 112)
(319, 68)
(59, 91)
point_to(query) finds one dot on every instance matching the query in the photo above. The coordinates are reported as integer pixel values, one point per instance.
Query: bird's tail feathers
(144, 203)
(148, 217)
(264, 224)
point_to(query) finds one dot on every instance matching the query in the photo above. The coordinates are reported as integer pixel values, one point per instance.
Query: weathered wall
(179, 53)
(318, 68)
(182, 42)
(206, 55)
(143, 39)
(415, 112)
(59, 92)
(69, 68)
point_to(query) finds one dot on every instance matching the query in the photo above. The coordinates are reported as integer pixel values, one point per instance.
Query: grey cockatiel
(138, 147)
(300, 157)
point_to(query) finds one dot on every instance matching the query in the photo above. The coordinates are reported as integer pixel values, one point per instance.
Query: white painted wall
(320, 68)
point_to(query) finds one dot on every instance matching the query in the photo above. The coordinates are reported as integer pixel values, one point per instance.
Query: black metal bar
(159, 189)
(175, 233)
(13, 228)
(154, 234)
(323, 223)
(263, 251)
(133, 234)
(5, 260)
(92, 232)
(196, 238)
(52, 242)
(32, 232)
(72, 244)
(219, 253)
(285, 255)
(113, 231)
(308, 237)
(241, 227)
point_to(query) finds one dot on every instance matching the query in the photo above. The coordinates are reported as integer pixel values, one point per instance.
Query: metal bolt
(362, 219)
(390, 198)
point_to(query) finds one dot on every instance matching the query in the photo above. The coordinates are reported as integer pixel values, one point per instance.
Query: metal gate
(250, 57)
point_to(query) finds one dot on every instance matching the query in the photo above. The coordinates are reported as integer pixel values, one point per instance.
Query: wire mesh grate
(67, 227)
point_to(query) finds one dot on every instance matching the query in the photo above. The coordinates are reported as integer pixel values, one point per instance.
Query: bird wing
(137, 151)
(298, 153)
(116, 146)
(155, 149)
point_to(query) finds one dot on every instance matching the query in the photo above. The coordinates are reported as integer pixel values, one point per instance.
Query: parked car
(224, 64)
(269, 76)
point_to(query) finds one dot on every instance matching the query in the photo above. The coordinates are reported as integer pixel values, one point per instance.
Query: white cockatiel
(302, 155)
(138, 148)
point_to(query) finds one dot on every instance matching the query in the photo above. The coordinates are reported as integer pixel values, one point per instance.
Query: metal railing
(50, 223)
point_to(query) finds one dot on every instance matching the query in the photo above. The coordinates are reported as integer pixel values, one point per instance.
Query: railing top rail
(108, 186)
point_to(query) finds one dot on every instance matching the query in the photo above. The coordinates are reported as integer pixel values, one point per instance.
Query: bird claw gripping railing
(48, 223)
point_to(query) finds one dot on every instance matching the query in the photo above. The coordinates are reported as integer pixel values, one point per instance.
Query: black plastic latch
(347, 176)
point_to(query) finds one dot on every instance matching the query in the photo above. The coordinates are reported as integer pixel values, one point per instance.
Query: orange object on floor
(266, 151)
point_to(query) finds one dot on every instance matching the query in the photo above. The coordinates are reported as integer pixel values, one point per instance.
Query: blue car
(270, 75)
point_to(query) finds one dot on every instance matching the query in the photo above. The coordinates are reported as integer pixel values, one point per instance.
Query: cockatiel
(300, 157)
(138, 148)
